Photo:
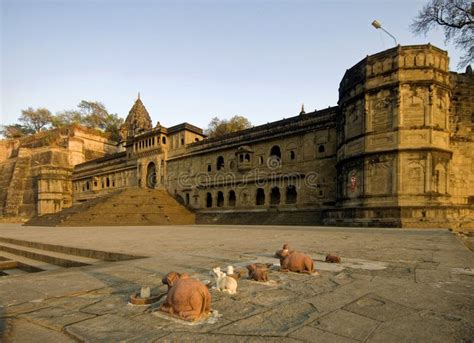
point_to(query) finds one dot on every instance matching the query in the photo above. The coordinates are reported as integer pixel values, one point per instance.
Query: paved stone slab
(312, 334)
(186, 337)
(18, 330)
(428, 275)
(377, 308)
(55, 317)
(113, 328)
(295, 306)
(275, 322)
(347, 324)
(425, 326)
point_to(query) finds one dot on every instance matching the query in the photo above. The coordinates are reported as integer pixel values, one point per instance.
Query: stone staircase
(14, 196)
(132, 206)
(20, 257)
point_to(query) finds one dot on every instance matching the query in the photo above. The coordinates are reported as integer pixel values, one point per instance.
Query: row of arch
(275, 197)
(275, 153)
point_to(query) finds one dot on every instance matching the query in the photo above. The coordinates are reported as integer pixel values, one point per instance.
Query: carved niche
(380, 111)
(379, 175)
(413, 100)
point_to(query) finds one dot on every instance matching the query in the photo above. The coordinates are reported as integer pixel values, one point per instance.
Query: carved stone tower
(138, 120)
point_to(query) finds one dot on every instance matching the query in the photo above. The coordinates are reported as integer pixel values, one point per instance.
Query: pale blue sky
(192, 60)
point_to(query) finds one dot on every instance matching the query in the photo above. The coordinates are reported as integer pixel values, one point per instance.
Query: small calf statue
(296, 262)
(223, 282)
(257, 273)
(187, 298)
(333, 258)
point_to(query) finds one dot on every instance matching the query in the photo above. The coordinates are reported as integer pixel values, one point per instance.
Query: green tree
(65, 118)
(35, 120)
(218, 127)
(456, 19)
(15, 131)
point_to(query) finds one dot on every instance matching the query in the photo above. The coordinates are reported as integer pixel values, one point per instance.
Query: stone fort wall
(36, 170)
(396, 151)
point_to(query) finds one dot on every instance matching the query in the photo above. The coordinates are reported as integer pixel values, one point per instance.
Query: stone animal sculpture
(257, 273)
(223, 282)
(187, 298)
(296, 262)
(333, 259)
(278, 253)
(170, 278)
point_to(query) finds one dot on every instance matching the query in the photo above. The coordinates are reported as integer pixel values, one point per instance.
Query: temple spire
(302, 109)
(138, 95)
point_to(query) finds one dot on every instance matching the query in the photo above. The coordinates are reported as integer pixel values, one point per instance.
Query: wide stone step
(58, 259)
(66, 250)
(12, 258)
(125, 207)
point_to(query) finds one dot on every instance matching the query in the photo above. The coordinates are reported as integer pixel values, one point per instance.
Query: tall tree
(15, 131)
(456, 19)
(218, 127)
(35, 120)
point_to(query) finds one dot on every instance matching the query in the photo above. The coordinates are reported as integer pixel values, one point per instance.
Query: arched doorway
(232, 198)
(208, 200)
(260, 197)
(151, 175)
(275, 196)
(220, 199)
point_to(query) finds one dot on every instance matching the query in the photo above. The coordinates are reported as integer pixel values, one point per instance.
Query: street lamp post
(377, 25)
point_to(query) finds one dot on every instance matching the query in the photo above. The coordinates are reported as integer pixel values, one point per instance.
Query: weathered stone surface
(275, 322)
(294, 307)
(114, 328)
(19, 330)
(347, 324)
(55, 317)
(377, 308)
(424, 326)
(312, 334)
(187, 337)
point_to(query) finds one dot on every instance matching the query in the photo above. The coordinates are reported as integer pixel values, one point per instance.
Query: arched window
(321, 149)
(88, 185)
(291, 195)
(209, 200)
(292, 155)
(275, 151)
(260, 198)
(232, 198)
(220, 199)
(275, 196)
(220, 163)
(241, 158)
(247, 157)
(163, 140)
(209, 168)
(196, 139)
(107, 182)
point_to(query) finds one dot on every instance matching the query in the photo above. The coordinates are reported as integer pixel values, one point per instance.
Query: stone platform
(393, 285)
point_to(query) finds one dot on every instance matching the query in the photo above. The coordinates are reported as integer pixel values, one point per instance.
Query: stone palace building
(397, 151)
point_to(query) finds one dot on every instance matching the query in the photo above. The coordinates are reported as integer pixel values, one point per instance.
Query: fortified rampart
(396, 151)
(36, 170)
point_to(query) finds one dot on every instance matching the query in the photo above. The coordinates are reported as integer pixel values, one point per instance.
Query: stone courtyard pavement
(394, 285)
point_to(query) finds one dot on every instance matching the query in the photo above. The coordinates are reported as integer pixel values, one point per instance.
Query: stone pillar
(428, 173)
